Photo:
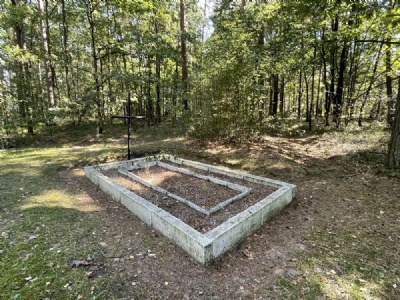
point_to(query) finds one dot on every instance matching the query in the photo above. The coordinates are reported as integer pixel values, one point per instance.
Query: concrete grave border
(202, 247)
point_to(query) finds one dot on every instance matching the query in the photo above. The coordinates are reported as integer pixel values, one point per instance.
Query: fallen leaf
(32, 237)
(80, 263)
(362, 281)
(249, 254)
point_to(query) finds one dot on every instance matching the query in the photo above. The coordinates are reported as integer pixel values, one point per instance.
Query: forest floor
(62, 238)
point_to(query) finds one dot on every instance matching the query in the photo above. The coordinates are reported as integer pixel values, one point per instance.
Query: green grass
(39, 232)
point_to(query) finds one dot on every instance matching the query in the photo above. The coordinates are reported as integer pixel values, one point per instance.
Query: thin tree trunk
(65, 47)
(337, 99)
(369, 88)
(282, 98)
(325, 80)
(300, 92)
(307, 97)
(89, 14)
(352, 86)
(158, 89)
(388, 65)
(47, 63)
(318, 109)
(150, 108)
(389, 87)
(310, 113)
(275, 78)
(185, 73)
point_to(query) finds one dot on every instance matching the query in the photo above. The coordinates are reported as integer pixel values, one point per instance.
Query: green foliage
(231, 74)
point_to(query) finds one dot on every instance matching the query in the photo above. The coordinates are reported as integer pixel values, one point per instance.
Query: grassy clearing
(346, 216)
(39, 229)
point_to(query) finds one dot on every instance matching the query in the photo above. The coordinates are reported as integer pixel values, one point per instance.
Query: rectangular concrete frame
(202, 247)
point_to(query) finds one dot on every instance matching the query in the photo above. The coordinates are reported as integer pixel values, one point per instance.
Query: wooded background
(228, 74)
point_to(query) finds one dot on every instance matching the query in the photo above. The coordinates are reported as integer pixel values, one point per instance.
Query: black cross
(128, 117)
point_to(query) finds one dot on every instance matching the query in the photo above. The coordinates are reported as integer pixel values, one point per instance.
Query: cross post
(128, 117)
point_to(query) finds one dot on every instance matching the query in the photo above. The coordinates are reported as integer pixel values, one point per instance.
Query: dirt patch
(204, 193)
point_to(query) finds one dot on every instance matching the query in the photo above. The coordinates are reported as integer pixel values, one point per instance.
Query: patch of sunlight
(220, 149)
(157, 179)
(348, 288)
(175, 139)
(233, 161)
(278, 166)
(78, 172)
(61, 199)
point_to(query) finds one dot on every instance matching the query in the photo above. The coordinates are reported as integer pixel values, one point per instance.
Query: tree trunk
(394, 145)
(47, 63)
(150, 108)
(369, 88)
(389, 87)
(318, 109)
(307, 97)
(388, 65)
(282, 98)
(325, 80)
(22, 74)
(337, 99)
(97, 100)
(158, 89)
(185, 73)
(353, 71)
(300, 92)
(65, 47)
(275, 79)
(310, 112)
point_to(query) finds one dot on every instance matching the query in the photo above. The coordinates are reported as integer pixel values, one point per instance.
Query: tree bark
(300, 92)
(23, 70)
(97, 100)
(275, 79)
(65, 47)
(158, 89)
(185, 73)
(394, 145)
(338, 96)
(282, 98)
(389, 88)
(47, 63)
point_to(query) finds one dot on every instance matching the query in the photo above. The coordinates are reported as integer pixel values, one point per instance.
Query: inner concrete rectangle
(202, 247)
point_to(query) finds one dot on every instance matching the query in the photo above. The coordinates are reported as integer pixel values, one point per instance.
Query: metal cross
(128, 117)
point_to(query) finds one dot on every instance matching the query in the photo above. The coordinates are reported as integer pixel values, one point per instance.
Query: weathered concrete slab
(202, 247)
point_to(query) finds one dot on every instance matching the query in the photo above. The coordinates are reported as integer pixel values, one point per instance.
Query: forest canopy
(230, 71)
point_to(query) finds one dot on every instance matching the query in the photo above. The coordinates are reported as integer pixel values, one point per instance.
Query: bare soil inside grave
(201, 192)
(204, 193)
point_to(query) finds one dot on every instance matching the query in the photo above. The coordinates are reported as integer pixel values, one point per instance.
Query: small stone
(279, 272)
(292, 272)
